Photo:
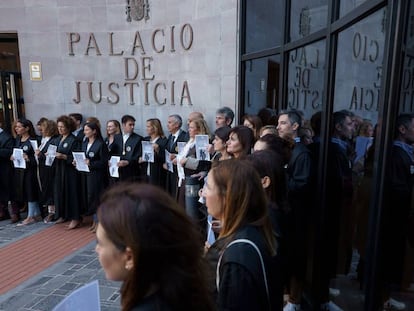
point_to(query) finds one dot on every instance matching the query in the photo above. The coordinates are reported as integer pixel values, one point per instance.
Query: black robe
(157, 173)
(242, 285)
(47, 174)
(299, 174)
(6, 168)
(26, 186)
(66, 181)
(397, 207)
(94, 182)
(151, 303)
(337, 218)
(172, 177)
(131, 151)
(114, 149)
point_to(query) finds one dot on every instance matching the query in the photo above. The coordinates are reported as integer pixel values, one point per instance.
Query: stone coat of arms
(137, 10)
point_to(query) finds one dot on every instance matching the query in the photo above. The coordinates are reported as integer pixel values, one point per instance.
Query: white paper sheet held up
(18, 161)
(50, 155)
(180, 146)
(80, 159)
(147, 152)
(202, 144)
(113, 166)
(168, 162)
(85, 298)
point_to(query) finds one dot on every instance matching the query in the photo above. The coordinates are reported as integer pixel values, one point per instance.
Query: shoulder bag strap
(261, 261)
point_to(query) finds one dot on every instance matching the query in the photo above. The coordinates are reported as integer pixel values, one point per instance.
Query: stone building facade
(106, 58)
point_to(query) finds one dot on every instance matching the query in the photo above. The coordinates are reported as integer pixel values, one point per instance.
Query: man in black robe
(78, 132)
(129, 168)
(299, 174)
(174, 125)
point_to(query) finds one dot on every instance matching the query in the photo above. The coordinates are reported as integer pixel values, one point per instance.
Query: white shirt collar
(175, 135)
(126, 136)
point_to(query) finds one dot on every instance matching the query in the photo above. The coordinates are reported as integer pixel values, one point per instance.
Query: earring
(128, 267)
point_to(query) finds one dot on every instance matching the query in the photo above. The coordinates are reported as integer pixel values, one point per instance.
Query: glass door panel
(350, 166)
(11, 99)
(261, 84)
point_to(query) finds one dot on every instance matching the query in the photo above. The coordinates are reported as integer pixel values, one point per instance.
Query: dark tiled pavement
(45, 290)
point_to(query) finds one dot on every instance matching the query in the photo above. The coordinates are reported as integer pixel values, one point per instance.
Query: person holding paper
(187, 159)
(39, 128)
(146, 241)
(78, 131)
(6, 169)
(66, 185)
(26, 186)
(129, 168)
(95, 181)
(113, 138)
(46, 168)
(174, 124)
(113, 141)
(154, 171)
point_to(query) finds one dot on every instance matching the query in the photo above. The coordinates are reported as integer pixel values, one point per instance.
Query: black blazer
(157, 172)
(115, 149)
(66, 180)
(171, 146)
(26, 186)
(47, 173)
(6, 150)
(96, 180)
(131, 151)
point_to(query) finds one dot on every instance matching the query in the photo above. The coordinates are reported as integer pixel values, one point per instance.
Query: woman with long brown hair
(146, 241)
(246, 245)
(240, 142)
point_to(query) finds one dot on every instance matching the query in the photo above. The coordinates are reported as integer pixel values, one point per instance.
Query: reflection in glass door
(11, 99)
(351, 165)
(261, 86)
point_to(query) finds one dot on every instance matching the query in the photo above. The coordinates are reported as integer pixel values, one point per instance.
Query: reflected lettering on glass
(364, 48)
(366, 98)
(408, 86)
(301, 94)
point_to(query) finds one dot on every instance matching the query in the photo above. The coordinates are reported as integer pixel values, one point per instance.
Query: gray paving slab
(45, 290)
(10, 233)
